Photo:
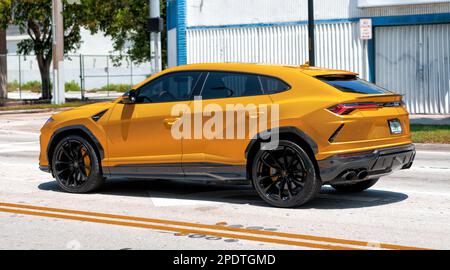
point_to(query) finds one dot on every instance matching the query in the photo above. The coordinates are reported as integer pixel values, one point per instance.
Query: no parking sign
(365, 26)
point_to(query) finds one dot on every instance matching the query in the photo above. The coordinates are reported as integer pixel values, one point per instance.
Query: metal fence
(86, 76)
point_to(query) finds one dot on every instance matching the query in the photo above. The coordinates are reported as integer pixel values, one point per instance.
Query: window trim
(289, 87)
(190, 98)
(259, 75)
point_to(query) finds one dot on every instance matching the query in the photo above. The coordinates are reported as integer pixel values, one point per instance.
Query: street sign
(365, 29)
(155, 25)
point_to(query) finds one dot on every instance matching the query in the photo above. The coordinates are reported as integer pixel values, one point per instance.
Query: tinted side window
(354, 85)
(169, 88)
(273, 85)
(224, 84)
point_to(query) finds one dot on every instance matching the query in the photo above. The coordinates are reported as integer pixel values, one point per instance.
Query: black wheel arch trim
(284, 130)
(52, 144)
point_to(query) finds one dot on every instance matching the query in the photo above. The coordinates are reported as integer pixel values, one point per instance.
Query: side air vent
(98, 115)
(336, 133)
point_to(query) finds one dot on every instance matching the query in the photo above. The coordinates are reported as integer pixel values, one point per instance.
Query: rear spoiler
(381, 96)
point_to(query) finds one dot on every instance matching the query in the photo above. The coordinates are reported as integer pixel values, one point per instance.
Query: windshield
(352, 84)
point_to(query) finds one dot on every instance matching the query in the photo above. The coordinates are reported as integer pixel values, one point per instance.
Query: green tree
(125, 22)
(4, 11)
(34, 18)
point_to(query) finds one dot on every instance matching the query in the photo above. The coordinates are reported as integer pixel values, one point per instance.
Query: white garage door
(415, 61)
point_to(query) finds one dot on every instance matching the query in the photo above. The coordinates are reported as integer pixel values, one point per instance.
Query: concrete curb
(440, 120)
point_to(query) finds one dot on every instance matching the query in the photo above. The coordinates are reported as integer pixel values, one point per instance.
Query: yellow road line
(178, 230)
(213, 227)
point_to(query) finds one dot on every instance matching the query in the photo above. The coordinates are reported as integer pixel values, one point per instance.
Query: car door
(223, 156)
(139, 134)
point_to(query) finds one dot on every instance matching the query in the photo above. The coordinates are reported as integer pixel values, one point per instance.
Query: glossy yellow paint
(223, 150)
(140, 133)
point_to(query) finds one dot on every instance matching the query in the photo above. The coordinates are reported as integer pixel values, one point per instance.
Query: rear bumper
(374, 164)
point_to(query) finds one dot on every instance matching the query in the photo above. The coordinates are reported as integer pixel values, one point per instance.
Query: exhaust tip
(349, 175)
(363, 174)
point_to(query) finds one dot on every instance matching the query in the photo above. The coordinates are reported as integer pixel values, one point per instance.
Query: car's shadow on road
(161, 192)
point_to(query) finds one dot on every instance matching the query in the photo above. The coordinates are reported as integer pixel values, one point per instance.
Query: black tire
(356, 187)
(289, 179)
(76, 166)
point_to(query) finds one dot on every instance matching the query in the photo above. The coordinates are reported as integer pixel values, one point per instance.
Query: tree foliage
(124, 21)
(34, 18)
(5, 13)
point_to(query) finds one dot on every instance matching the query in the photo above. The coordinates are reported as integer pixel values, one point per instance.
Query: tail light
(344, 109)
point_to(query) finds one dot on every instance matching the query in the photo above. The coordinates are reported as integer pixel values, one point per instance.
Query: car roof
(249, 67)
(267, 69)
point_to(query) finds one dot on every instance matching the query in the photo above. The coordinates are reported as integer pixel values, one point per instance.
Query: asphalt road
(406, 210)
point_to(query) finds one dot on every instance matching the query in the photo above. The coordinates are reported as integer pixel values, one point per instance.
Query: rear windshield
(351, 84)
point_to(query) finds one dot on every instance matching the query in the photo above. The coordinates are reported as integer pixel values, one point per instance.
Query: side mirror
(129, 97)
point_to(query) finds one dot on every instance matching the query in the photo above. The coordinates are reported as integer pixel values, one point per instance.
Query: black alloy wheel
(75, 165)
(285, 176)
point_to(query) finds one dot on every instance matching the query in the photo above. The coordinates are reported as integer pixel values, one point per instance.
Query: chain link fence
(86, 76)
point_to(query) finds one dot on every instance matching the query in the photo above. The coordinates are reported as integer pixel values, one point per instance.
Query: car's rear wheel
(75, 165)
(285, 176)
(356, 187)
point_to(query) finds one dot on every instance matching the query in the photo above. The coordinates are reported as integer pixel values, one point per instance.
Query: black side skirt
(203, 172)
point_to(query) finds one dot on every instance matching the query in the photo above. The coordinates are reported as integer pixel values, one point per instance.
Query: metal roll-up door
(415, 61)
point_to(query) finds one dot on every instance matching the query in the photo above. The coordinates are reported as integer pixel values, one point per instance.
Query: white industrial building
(409, 51)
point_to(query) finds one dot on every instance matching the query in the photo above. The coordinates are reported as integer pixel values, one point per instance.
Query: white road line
(161, 202)
(433, 168)
(19, 132)
(160, 199)
(28, 165)
(20, 149)
(429, 168)
(18, 143)
(444, 153)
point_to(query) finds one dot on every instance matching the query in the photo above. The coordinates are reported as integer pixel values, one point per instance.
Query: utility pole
(311, 34)
(155, 36)
(3, 65)
(58, 53)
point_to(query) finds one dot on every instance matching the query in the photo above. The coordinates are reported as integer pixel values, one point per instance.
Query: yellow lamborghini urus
(307, 127)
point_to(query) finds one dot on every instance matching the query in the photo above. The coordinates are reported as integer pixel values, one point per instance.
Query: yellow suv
(323, 127)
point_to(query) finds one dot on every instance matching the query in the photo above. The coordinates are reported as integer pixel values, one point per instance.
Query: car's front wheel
(356, 187)
(75, 165)
(285, 176)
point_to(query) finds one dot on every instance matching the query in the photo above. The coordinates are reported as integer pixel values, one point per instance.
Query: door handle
(170, 122)
(256, 115)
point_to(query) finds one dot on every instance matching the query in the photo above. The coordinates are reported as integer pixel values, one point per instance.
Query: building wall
(338, 46)
(238, 12)
(89, 46)
(172, 53)
(414, 60)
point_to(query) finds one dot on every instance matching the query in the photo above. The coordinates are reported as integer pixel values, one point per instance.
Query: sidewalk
(35, 111)
(422, 119)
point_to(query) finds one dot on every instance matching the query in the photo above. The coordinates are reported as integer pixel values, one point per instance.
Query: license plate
(395, 126)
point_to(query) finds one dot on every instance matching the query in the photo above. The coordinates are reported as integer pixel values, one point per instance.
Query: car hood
(83, 111)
